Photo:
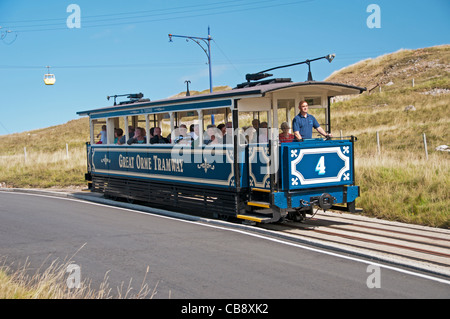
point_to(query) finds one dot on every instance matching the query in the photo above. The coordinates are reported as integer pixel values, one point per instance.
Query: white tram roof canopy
(289, 90)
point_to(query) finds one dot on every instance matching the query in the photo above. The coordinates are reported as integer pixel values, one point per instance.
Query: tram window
(187, 128)
(99, 131)
(286, 112)
(254, 126)
(314, 102)
(119, 131)
(164, 124)
(140, 121)
(218, 122)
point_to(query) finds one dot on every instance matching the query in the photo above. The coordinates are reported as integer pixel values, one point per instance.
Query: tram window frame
(187, 117)
(154, 120)
(202, 118)
(96, 128)
(286, 113)
(246, 124)
(222, 115)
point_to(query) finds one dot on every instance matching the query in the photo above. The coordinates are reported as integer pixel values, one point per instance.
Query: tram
(236, 177)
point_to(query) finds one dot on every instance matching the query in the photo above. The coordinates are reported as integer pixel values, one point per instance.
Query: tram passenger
(222, 129)
(227, 133)
(119, 138)
(195, 136)
(252, 132)
(183, 137)
(139, 137)
(303, 124)
(285, 136)
(174, 133)
(212, 135)
(262, 136)
(158, 138)
(130, 131)
(102, 135)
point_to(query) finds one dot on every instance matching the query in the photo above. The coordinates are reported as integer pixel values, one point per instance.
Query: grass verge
(20, 282)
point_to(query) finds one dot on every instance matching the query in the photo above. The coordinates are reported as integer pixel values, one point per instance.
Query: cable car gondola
(49, 79)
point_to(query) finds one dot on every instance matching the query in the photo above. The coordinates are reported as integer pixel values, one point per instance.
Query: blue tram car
(225, 173)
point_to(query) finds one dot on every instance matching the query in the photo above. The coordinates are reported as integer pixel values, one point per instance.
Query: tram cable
(178, 15)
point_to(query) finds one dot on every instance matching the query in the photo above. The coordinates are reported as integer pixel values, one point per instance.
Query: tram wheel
(224, 217)
(111, 197)
(297, 216)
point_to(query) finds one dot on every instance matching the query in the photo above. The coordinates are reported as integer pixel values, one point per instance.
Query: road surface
(189, 259)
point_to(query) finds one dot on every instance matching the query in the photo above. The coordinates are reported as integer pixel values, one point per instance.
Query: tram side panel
(201, 178)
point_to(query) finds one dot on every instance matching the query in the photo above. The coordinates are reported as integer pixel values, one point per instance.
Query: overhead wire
(128, 13)
(229, 61)
(191, 13)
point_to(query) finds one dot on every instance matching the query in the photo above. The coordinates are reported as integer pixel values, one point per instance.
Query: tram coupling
(324, 201)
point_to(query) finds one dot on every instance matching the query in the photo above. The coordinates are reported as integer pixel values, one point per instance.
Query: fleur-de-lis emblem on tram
(205, 165)
(105, 160)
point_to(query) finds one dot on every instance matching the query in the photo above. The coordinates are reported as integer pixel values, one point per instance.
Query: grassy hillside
(47, 163)
(193, 92)
(397, 181)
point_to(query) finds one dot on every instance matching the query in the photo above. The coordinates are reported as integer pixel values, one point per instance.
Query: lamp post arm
(207, 42)
(196, 40)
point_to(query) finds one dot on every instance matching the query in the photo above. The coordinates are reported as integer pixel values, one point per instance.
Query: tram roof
(309, 88)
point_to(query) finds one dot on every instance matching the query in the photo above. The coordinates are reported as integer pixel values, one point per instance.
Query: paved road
(189, 259)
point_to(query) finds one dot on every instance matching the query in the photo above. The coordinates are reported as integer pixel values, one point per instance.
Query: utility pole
(207, 50)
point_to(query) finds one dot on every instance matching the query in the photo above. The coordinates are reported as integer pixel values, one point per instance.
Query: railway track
(426, 247)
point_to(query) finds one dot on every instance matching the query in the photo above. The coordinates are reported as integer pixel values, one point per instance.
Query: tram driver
(303, 124)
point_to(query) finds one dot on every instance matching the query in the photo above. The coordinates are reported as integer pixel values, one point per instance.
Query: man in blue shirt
(303, 124)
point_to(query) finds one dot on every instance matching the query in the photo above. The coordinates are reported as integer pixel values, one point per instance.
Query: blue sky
(123, 47)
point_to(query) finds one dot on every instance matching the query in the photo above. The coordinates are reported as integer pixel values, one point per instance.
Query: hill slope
(426, 66)
(397, 179)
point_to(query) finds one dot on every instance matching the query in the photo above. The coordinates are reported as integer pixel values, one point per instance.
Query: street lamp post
(207, 50)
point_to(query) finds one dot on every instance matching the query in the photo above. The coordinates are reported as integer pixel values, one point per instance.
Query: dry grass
(44, 169)
(21, 282)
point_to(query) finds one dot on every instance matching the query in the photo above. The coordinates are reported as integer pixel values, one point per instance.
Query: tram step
(259, 204)
(262, 190)
(255, 218)
(265, 211)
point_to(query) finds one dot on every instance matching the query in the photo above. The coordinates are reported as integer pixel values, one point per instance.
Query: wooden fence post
(425, 145)
(378, 144)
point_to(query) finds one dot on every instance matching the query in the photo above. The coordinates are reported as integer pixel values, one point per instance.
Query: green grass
(412, 191)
